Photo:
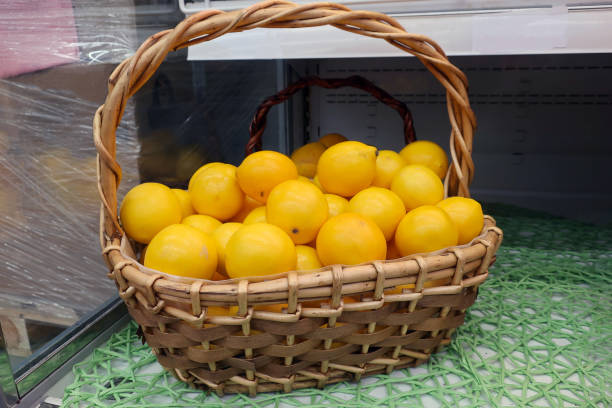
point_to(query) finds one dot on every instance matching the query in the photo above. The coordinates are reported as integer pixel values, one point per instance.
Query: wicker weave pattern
(260, 350)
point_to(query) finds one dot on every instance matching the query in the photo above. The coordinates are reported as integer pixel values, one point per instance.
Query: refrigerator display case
(539, 75)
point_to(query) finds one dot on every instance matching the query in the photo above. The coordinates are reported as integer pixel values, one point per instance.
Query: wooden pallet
(16, 312)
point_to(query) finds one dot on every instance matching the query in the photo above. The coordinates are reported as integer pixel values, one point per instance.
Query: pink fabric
(36, 34)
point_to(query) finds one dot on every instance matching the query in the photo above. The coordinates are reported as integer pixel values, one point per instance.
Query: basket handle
(258, 124)
(207, 25)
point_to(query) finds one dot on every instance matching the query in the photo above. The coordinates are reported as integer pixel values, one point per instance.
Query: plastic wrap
(62, 54)
(35, 35)
(55, 59)
(48, 218)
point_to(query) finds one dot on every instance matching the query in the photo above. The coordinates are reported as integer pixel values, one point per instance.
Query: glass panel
(56, 60)
(51, 269)
(190, 113)
(52, 273)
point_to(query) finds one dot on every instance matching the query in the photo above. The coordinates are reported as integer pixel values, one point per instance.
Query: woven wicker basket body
(298, 347)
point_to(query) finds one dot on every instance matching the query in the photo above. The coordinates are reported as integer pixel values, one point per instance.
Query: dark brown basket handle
(258, 125)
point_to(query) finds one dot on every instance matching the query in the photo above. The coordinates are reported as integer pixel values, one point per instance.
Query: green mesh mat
(540, 334)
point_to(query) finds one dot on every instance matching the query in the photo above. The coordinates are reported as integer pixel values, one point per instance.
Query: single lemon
(428, 154)
(142, 254)
(388, 163)
(261, 171)
(275, 308)
(392, 251)
(417, 185)
(248, 206)
(347, 168)
(304, 179)
(222, 310)
(428, 284)
(259, 250)
(315, 181)
(216, 192)
(204, 223)
(184, 200)
(380, 205)
(229, 169)
(217, 276)
(298, 208)
(336, 204)
(307, 157)
(183, 251)
(257, 215)
(307, 258)
(318, 303)
(222, 236)
(350, 239)
(467, 215)
(147, 209)
(425, 229)
(331, 139)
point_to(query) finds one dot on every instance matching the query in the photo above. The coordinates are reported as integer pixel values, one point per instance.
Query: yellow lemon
(216, 192)
(417, 185)
(350, 239)
(221, 310)
(147, 209)
(257, 215)
(304, 179)
(307, 258)
(380, 205)
(428, 284)
(261, 171)
(307, 157)
(217, 276)
(259, 250)
(183, 251)
(347, 168)
(331, 139)
(248, 206)
(184, 200)
(467, 215)
(222, 236)
(228, 169)
(315, 181)
(428, 154)
(142, 254)
(336, 204)
(298, 208)
(318, 303)
(425, 229)
(204, 223)
(388, 163)
(276, 308)
(392, 251)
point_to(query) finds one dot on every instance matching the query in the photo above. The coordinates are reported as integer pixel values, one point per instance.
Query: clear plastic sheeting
(35, 35)
(186, 115)
(55, 60)
(50, 259)
(51, 269)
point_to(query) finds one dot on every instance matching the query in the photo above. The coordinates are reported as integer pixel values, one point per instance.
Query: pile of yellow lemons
(334, 201)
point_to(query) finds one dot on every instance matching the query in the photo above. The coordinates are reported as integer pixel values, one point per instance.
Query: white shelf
(552, 28)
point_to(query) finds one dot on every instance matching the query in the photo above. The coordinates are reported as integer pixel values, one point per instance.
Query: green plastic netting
(540, 334)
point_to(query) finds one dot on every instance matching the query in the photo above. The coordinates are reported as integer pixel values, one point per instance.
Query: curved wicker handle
(258, 125)
(207, 25)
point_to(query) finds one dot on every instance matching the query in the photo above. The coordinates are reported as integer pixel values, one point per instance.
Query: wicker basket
(258, 350)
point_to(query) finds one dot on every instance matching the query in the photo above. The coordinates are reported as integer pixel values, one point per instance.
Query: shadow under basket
(295, 345)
